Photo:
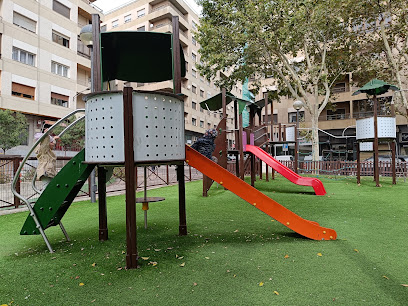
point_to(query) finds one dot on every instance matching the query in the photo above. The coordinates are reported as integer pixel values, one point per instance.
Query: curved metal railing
(59, 135)
(16, 176)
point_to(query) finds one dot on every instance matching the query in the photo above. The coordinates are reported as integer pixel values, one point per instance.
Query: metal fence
(166, 175)
(156, 176)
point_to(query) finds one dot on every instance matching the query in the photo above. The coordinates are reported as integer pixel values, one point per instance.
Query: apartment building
(44, 68)
(156, 16)
(339, 119)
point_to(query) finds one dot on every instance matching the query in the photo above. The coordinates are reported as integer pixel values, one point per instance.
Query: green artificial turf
(233, 255)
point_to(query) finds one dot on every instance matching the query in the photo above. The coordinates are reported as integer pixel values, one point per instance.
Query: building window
(194, 57)
(193, 89)
(59, 69)
(61, 9)
(60, 39)
(23, 56)
(24, 22)
(128, 18)
(194, 73)
(141, 29)
(115, 23)
(104, 28)
(59, 100)
(193, 41)
(202, 93)
(141, 13)
(22, 91)
(201, 124)
(194, 121)
(208, 125)
(292, 117)
(193, 105)
(193, 25)
(201, 109)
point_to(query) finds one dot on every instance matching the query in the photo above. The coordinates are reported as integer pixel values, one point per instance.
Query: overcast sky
(107, 5)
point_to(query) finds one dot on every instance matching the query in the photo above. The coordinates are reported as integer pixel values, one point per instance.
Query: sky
(107, 5)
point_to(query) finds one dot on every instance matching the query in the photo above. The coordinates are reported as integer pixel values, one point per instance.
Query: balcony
(167, 12)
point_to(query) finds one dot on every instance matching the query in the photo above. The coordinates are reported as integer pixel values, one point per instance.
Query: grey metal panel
(386, 127)
(104, 128)
(158, 128)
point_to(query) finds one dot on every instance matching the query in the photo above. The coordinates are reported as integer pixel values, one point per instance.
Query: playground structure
(250, 140)
(133, 128)
(369, 131)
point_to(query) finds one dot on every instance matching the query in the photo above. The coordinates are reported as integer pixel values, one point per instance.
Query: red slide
(286, 172)
(256, 198)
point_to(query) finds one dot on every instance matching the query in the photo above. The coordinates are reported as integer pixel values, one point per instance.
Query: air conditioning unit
(151, 25)
(188, 87)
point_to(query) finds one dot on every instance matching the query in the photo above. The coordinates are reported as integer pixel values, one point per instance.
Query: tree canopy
(304, 46)
(13, 128)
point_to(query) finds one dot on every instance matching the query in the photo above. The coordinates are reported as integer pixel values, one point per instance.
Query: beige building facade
(156, 16)
(44, 68)
(338, 119)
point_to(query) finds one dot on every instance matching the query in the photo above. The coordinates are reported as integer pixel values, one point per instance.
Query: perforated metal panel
(290, 133)
(366, 146)
(104, 128)
(158, 128)
(365, 128)
(386, 128)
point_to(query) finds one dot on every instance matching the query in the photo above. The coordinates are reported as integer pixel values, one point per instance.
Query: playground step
(57, 197)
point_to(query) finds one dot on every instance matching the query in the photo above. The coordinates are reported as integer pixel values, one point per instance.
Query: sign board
(285, 147)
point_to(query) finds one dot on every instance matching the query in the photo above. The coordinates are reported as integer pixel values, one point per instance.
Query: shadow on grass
(384, 281)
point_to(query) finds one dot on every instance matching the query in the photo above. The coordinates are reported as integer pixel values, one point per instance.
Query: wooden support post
(252, 170)
(16, 164)
(394, 173)
(358, 163)
(176, 56)
(96, 54)
(376, 159)
(131, 229)
(103, 216)
(182, 201)
(241, 150)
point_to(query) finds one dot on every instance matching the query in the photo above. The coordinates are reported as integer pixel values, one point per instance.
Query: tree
(13, 128)
(382, 28)
(75, 136)
(303, 45)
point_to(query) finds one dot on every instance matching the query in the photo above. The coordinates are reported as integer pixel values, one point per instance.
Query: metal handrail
(60, 135)
(17, 175)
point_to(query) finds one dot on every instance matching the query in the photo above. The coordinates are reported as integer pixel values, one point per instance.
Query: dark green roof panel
(138, 57)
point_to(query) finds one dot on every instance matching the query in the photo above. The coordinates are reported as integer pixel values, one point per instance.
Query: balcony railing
(161, 7)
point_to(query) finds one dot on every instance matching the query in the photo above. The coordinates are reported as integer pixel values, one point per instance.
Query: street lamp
(85, 35)
(297, 105)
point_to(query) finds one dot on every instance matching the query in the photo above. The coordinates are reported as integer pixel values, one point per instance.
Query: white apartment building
(44, 68)
(156, 16)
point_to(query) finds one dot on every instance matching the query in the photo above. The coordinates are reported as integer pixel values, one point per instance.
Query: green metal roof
(375, 87)
(215, 102)
(138, 57)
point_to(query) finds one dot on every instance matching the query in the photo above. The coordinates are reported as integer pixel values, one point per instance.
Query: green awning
(214, 103)
(375, 87)
(138, 57)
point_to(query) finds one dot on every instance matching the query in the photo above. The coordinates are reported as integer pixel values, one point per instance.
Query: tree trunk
(315, 135)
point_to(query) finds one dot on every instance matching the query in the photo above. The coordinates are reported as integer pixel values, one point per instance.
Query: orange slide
(256, 198)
